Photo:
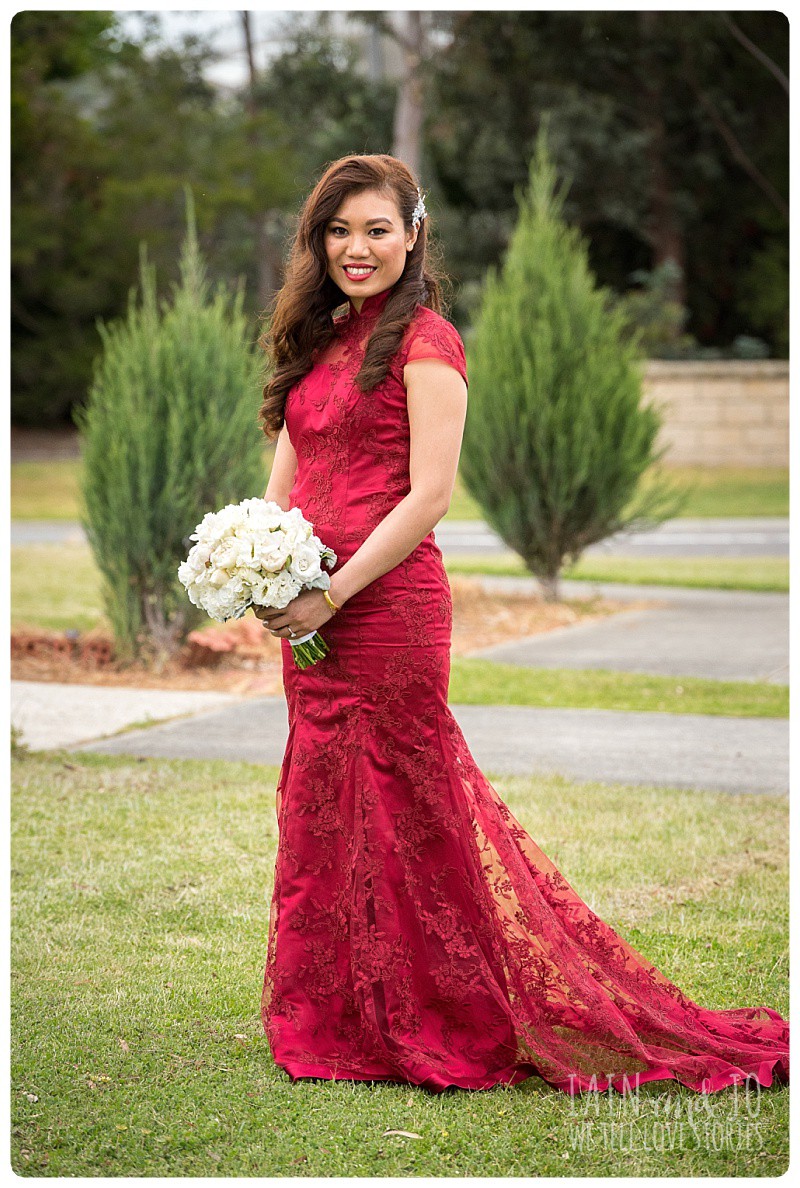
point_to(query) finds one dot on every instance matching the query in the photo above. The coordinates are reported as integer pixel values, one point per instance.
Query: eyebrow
(336, 219)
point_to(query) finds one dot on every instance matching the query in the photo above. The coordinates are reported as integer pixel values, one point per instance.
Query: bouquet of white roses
(254, 553)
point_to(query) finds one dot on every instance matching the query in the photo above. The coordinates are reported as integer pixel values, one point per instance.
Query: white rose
(272, 551)
(305, 563)
(270, 514)
(294, 536)
(294, 520)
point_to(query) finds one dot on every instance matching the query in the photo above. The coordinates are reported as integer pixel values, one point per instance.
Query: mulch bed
(242, 657)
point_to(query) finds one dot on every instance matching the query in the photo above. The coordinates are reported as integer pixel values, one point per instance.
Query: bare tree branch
(381, 22)
(251, 65)
(757, 53)
(27, 320)
(737, 151)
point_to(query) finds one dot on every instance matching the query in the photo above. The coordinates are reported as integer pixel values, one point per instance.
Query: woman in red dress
(417, 933)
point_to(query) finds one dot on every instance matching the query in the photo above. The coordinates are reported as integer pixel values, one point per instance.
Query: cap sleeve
(436, 339)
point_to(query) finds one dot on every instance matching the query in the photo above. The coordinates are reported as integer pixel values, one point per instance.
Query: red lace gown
(416, 932)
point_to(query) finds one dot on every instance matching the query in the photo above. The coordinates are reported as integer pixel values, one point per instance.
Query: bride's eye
(333, 230)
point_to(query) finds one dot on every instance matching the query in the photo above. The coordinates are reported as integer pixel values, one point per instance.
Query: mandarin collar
(370, 306)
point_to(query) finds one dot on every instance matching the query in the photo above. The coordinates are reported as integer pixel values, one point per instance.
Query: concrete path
(675, 750)
(763, 536)
(669, 750)
(49, 714)
(735, 537)
(730, 635)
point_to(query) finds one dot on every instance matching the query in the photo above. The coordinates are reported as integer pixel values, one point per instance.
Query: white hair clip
(419, 211)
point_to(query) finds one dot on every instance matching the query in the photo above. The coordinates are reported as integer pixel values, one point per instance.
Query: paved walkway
(54, 715)
(762, 536)
(672, 750)
(765, 536)
(727, 635)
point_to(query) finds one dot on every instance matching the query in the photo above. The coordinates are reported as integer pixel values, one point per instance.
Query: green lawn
(713, 491)
(140, 912)
(45, 490)
(63, 593)
(485, 682)
(50, 491)
(708, 573)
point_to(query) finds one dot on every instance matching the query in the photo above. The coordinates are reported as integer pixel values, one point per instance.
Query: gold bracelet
(330, 602)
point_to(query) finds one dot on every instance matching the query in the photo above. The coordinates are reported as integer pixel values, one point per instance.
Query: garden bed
(242, 657)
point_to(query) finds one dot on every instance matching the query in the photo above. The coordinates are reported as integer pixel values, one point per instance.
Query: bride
(417, 933)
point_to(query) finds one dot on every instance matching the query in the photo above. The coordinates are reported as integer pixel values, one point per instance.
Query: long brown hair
(300, 321)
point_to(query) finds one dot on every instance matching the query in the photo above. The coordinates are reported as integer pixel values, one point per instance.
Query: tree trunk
(268, 259)
(268, 262)
(664, 229)
(164, 635)
(410, 107)
(550, 587)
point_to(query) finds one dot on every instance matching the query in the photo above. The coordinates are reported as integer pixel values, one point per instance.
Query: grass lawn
(713, 491)
(140, 899)
(51, 491)
(705, 573)
(486, 682)
(46, 490)
(61, 594)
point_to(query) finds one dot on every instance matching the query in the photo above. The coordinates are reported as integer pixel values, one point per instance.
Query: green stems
(308, 653)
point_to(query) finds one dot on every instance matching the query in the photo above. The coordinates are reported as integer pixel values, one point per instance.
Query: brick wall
(726, 413)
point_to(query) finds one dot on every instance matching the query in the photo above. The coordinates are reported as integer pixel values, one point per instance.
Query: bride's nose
(359, 247)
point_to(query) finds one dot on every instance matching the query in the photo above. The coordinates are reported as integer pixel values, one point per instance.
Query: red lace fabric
(417, 933)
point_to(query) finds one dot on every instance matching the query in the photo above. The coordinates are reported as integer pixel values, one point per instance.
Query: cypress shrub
(169, 432)
(557, 439)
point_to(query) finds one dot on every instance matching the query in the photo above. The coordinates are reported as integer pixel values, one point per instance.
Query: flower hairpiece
(419, 211)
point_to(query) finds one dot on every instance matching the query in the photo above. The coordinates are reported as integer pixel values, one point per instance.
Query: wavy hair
(300, 317)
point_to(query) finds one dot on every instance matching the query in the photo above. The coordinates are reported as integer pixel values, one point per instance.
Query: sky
(223, 30)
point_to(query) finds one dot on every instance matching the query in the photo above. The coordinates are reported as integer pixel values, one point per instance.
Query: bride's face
(367, 232)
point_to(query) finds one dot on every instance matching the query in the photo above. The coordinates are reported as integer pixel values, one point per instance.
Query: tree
(56, 282)
(169, 432)
(317, 91)
(667, 123)
(556, 440)
(105, 134)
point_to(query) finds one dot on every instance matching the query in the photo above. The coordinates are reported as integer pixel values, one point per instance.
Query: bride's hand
(305, 613)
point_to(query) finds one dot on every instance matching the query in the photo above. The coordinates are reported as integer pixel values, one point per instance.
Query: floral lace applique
(417, 932)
